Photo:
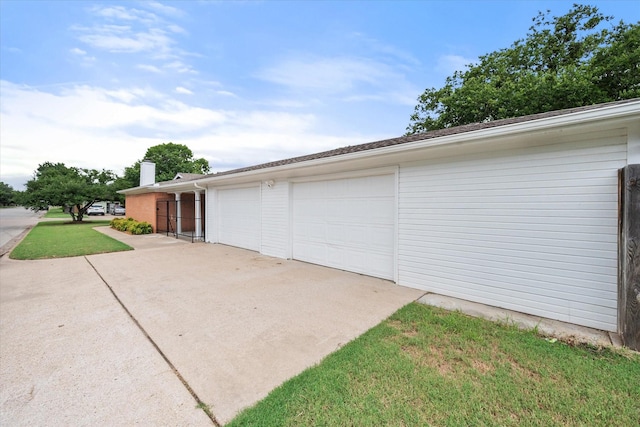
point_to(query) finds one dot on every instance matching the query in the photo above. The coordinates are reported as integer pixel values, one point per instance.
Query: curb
(8, 247)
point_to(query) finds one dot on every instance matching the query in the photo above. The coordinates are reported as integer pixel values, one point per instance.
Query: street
(13, 221)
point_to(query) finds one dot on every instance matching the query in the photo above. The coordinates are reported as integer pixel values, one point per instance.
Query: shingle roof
(185, 177)
(188, 176)
(420, 137)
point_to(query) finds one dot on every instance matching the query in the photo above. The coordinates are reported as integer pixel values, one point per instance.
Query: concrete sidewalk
(235, 324)
(70, 355)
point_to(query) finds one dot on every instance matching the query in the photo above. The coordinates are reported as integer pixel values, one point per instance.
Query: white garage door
(347, 224)
(239, 217)
(532, 229)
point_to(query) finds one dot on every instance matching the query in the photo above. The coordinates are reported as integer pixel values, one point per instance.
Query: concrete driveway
(197, 321)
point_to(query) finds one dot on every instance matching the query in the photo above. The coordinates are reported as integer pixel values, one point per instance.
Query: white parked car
(95, 210)
(119, 210)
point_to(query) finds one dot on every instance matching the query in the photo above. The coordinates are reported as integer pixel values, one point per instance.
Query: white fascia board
(181, 187)
(164, 188)
(612, 114)
(138, 190)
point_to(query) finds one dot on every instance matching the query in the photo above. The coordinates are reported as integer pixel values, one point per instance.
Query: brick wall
(142, 207)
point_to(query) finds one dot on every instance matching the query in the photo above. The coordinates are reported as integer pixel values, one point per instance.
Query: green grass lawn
(59, 239)
(427, 366)
(57, 212)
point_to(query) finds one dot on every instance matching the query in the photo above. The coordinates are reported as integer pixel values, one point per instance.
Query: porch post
(178, 214)
(198, 214)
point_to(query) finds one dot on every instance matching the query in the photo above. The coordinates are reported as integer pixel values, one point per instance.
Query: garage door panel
(338, 234)
(334, 208)
(381, 211)
(239, 217)
(373, 186)
(347, 224)
(357, 235)
(312, 252)
(381, 237)
(336, 256)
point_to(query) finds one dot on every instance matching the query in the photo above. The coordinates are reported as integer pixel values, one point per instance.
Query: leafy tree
(170, 159)
(7, 194)
(567, 61)
(616, 70)
(55, 184)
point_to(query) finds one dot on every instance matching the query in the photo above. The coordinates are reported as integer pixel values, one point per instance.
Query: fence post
(629, 257)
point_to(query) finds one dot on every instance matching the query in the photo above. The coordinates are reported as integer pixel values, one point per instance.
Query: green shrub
(141, 228)
(132, 226)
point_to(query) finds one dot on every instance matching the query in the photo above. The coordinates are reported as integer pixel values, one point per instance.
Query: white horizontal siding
(275, 220)
(533, 229)
(211, 211)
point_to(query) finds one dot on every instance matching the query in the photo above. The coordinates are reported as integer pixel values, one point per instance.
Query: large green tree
(568, 61)
(55, 184)
(7, 194)
(170, 159)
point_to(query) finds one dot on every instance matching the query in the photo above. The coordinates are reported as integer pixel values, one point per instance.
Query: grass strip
(427, 366)
(57, 213)
(60, 239)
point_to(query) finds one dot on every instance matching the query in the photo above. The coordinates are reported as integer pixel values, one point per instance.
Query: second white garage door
(239, 217)
(347, 224)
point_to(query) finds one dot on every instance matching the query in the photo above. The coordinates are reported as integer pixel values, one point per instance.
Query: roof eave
(615, 112)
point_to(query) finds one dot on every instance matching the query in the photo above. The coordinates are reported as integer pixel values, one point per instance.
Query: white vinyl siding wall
(238, 217)
(532, 229)
(211, 212)
(275, 220)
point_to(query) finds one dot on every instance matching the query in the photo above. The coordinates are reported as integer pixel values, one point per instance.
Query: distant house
(519, 213)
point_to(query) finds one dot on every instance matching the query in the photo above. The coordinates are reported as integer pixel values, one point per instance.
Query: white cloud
(394, 53)
(118, 38)
(180, 67)
(150, 68)
(183, 91)
(226, 93)
(350, 79)
(124, 14)
(164, 9)
(327, 74)
(448, 64)
(85, 60)
(211, 83)
(176, 29)
(94, 127)
(292, 103)
(122, 30)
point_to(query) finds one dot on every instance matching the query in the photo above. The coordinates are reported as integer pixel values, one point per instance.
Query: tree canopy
(568, 61)
(55, 184)
(7, 194)
(170, 159)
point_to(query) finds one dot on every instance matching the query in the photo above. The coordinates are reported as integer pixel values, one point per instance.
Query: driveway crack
(200, 403)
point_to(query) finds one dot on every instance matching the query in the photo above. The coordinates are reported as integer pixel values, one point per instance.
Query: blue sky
(95, 84)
